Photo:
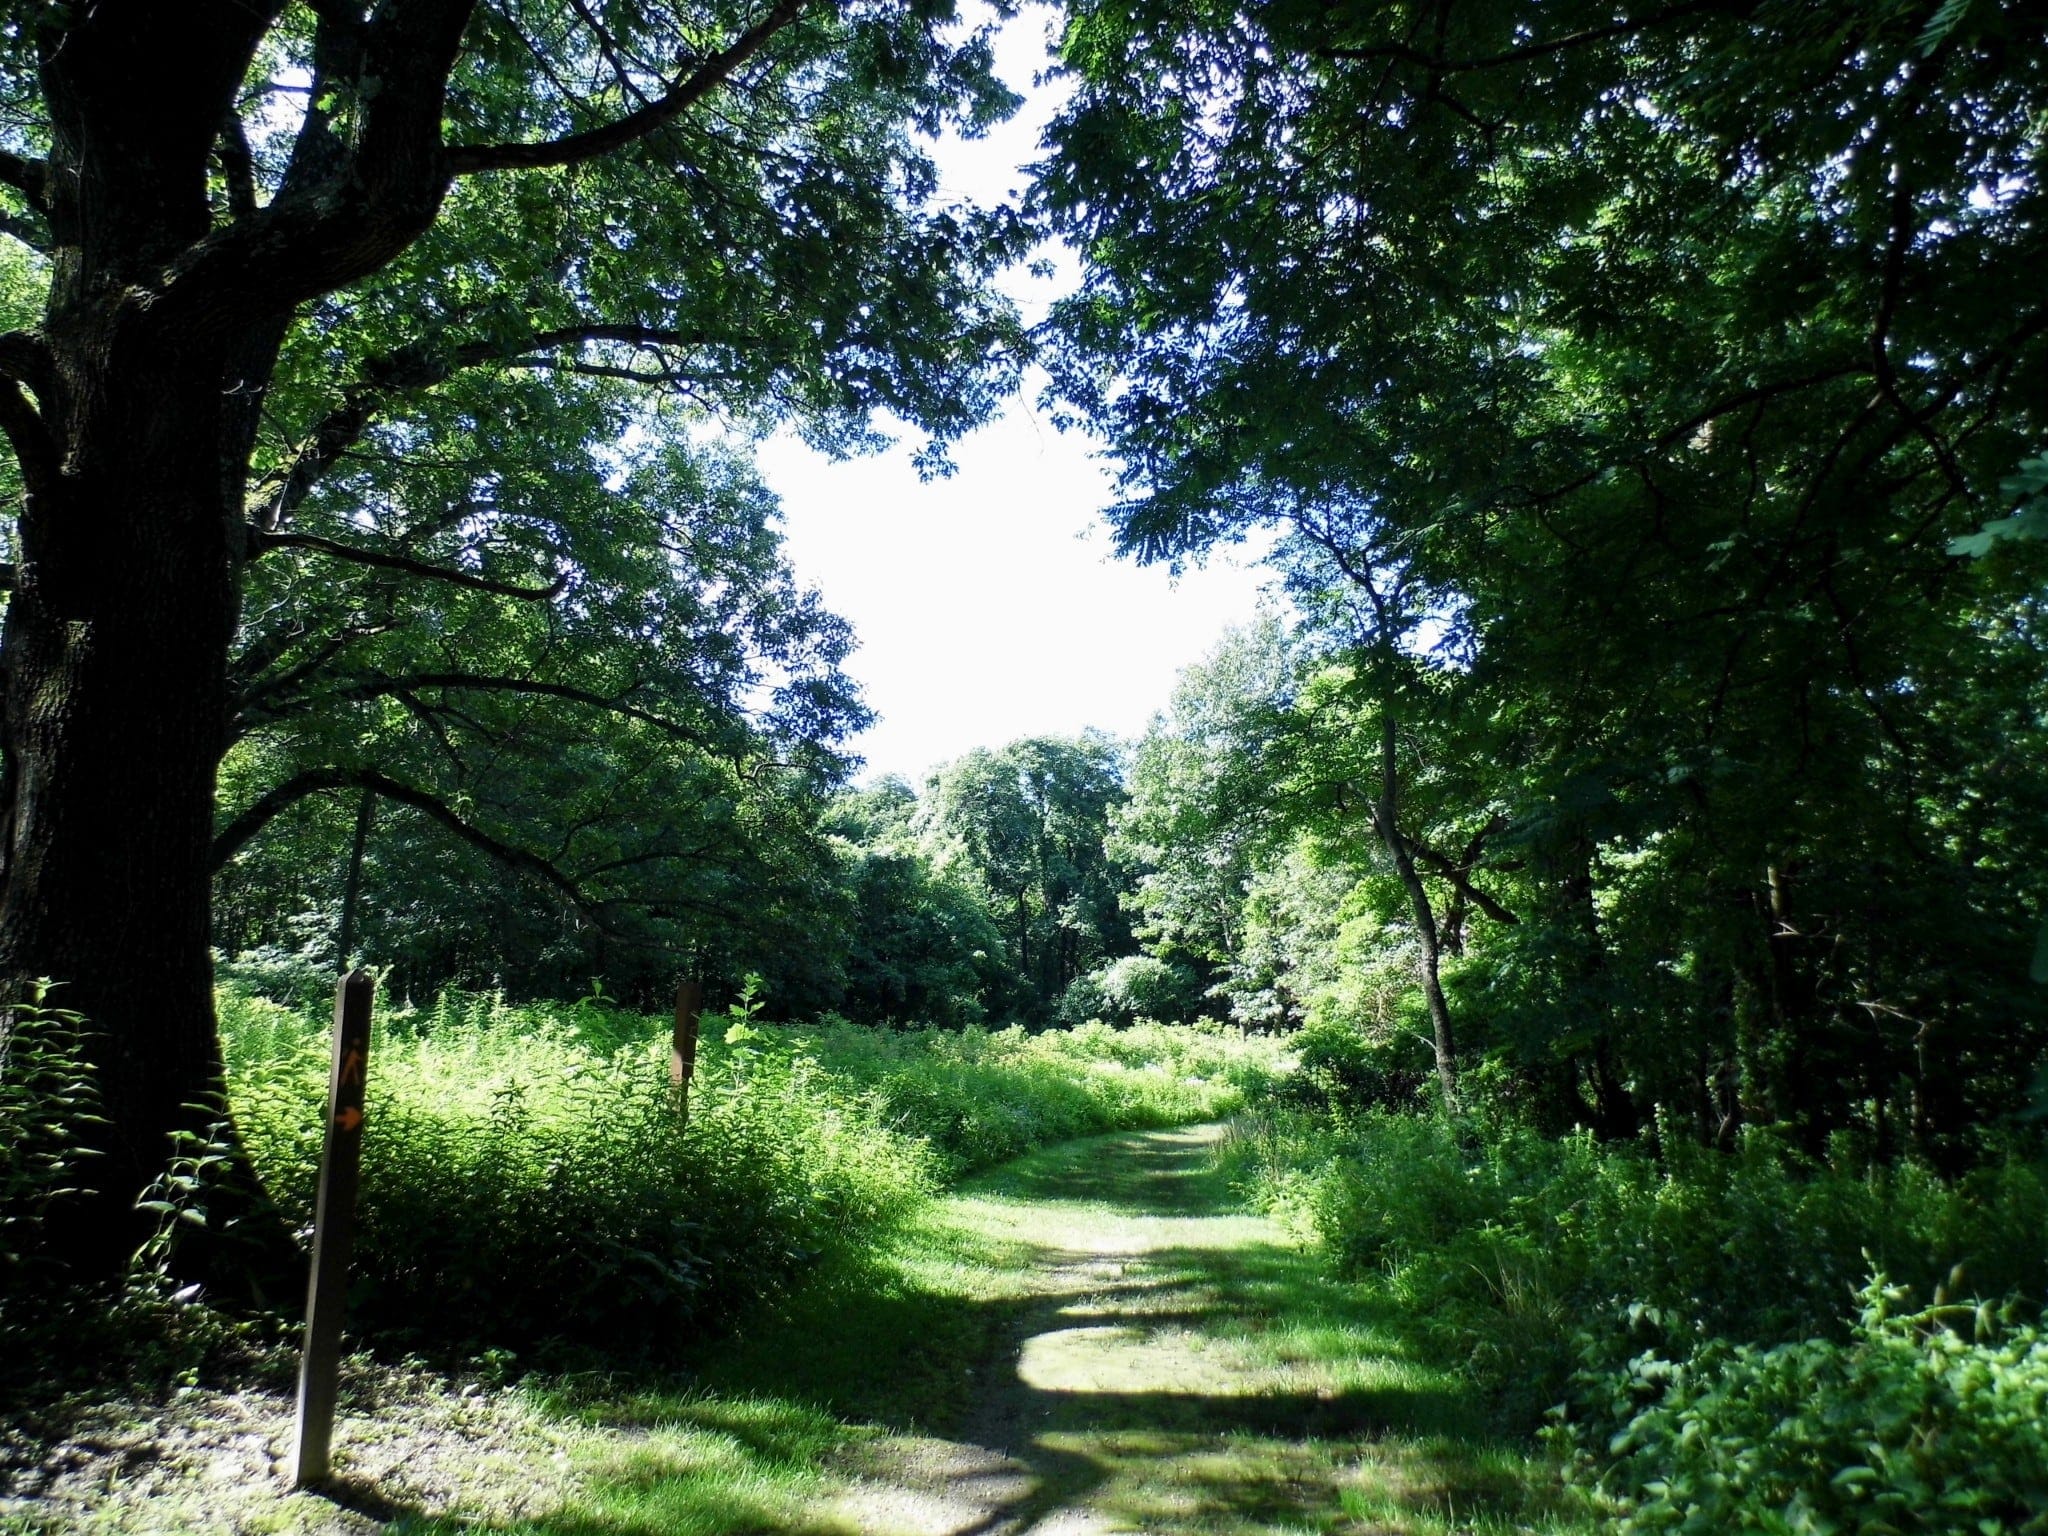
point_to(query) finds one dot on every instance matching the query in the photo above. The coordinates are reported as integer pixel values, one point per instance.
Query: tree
(332, 240)
(1668, 348)
(577, 788)
(1026, 825)
(1195, 823)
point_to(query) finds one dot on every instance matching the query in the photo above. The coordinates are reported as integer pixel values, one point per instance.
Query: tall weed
(528, 1184)
(1519, 1248)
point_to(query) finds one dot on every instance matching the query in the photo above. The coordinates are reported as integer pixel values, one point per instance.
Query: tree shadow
(1177, 1385)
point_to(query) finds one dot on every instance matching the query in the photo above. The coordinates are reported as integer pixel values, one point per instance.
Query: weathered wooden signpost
(682, 1055)
(334, 1219)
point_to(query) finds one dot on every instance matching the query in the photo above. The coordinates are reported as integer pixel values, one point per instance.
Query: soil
(207, 1463)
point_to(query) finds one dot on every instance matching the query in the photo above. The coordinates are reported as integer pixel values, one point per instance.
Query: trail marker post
(334, 1220)
(682, 1055)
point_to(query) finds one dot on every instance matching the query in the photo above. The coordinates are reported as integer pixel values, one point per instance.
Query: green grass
(1096, 1332)
(528, 1187)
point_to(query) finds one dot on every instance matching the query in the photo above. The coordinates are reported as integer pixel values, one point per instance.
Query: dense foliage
(1620, 383)
(1636, 818)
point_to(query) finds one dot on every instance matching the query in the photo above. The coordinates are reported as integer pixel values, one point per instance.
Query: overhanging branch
(261, 542)
(418, 368)
(383, 686)
(28, 177)
(1461, 882)
(237, 833)
(685, 92)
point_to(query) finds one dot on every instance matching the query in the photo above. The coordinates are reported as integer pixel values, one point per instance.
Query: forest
(1546, 1031)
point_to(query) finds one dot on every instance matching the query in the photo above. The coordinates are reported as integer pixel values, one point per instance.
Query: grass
(1093, 1337)
(529, 1188)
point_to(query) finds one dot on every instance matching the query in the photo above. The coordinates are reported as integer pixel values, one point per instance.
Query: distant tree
(1026, 825)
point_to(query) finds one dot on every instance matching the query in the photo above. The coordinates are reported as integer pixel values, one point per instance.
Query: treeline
(996, 894)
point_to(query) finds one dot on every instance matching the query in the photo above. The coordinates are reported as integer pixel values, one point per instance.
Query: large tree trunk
(116, 645)
(117, 634)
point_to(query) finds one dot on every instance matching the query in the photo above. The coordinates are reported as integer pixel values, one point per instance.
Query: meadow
(530, 1190)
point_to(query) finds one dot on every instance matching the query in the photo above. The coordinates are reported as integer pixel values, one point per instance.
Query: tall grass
(528, 1185)
(979, 1097)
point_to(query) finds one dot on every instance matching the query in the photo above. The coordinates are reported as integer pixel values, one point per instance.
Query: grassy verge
(1093, 1337)
(1096, 1337)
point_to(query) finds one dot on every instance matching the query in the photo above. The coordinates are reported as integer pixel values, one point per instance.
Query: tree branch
(26, 231)
(262, 542)
(1407, 53)
(28, 177)
(237, 168)
(339, 215)
(383, 687)
(232, 838)
(23, 360)
(237, 833)
(422, 368)
(1460, 880)
(471, 159)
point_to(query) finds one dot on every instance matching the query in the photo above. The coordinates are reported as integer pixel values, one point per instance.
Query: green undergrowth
(1718, 1342)
(530, 1191)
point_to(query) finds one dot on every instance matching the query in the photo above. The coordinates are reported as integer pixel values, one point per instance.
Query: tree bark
(117, 643)
(117, 636)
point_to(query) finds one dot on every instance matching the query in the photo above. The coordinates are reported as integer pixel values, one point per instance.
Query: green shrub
(48, 1095)
(527, 1183)
(1906, 1427)
(1525, 1252)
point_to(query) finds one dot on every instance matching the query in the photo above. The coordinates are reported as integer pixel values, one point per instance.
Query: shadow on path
(1094, 1339)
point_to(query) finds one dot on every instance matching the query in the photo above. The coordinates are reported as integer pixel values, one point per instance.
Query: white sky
(988, 605)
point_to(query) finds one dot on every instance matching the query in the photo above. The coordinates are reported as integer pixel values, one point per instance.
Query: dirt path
(1165, 1365)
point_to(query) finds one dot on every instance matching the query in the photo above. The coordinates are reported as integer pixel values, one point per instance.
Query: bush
(1129, 989)
(1906, 1427)
(1529, 1254)
(48, 1094)
(1341, 1073)
(526, 1182)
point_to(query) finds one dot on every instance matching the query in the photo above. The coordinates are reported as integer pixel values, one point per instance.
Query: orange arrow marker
(349, 1118)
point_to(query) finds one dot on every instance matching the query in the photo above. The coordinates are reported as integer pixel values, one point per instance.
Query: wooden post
(334, 1220)
(682, 1055)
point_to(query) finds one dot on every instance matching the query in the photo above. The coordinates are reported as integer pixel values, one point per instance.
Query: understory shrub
(1524, 1251)
(1933, 1420)
(48, 1095)
(527, 1182)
